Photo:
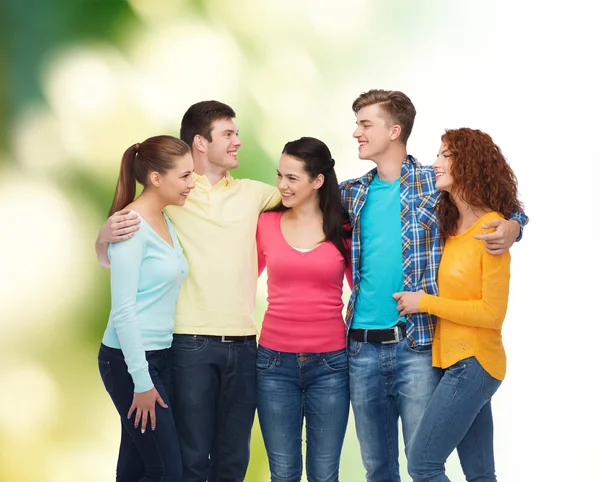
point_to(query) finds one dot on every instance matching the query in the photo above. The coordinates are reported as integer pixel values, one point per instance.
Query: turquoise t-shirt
(145, 276)
(381, 272)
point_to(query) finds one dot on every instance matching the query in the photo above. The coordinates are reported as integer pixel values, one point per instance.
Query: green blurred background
(82, 80)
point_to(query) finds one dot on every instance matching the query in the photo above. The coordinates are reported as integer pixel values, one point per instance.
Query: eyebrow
(288, 175)
(363, 121)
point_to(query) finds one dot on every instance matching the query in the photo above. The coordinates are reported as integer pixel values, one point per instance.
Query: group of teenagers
(424, 250)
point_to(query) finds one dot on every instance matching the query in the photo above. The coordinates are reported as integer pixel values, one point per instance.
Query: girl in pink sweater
(302, 365)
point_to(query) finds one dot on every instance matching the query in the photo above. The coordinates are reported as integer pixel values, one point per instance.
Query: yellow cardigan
(471, 306)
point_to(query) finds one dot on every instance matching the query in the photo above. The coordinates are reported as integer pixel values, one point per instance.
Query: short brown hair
(199, 119)
(396, 105)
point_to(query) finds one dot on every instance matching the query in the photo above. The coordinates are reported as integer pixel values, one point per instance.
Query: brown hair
(394, 104)
(155, 154)
(199, 119)
(481, 174)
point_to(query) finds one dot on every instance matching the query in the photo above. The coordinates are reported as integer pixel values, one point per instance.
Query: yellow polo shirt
(217, 231)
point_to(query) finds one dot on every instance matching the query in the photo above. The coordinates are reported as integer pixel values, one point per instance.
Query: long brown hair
(155, 154)
(482, 177)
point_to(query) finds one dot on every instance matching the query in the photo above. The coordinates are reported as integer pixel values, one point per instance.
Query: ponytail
(125, 192)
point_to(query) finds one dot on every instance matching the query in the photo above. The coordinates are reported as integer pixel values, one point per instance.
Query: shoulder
(252, 185)
(269, 219)
(488, 217)
(357, 182)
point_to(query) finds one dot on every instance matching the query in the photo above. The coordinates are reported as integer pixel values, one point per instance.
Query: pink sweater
(304, 314)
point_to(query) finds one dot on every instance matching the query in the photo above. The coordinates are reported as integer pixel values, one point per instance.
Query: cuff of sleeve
(424, 303)
(142, 381)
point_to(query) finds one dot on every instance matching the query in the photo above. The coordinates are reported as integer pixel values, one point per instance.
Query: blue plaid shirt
(421, 241)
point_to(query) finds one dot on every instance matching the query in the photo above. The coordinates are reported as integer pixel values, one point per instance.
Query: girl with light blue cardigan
(147, 270)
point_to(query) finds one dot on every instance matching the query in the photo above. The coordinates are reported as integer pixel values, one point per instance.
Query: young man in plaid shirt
(395, 247)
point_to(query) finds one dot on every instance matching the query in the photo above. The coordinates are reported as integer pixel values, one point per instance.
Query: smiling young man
(214, 346)
(395, 247)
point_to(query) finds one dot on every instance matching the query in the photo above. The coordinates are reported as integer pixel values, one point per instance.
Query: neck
(150, 203)
(389, 165)
(467, 211)
(307, 210)
(203, 167)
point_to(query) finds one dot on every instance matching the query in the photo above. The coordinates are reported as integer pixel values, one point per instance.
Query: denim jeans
(214, 402)
(292, 387)
(388, 381)
(154, 455)
(459, 416)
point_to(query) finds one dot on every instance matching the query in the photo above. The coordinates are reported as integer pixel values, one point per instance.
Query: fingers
(397, 296)
(144, 420)
(131, 409)
(123, 227)
(494, 223)
(152, 420)
(138, 415)
(497, 251)
(161, 402)
(496, 235)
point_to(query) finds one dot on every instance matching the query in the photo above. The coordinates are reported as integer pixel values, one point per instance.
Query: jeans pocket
(191, 343)
(106, 375)
(337, 362)
(354, 347)
(419, 349)
(489, 384)
(251, 346)
(265, 360)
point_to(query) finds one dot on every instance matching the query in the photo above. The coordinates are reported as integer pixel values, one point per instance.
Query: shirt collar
(202, 180)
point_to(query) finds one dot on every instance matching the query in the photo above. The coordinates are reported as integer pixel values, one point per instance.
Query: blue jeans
(153, 455)
(296, 386)
(214, 402)
(459, 416)
(388, 381)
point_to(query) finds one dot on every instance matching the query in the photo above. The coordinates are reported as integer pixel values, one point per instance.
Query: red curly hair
(481, 174)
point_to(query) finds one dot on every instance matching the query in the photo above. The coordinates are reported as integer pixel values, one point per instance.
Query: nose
(237, 141)
(281, 184)
(356, 134)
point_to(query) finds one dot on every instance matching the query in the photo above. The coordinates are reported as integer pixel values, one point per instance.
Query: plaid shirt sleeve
(425, 245)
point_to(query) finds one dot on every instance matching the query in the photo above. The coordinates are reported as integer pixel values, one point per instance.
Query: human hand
(120, 226)
(500, 241)
(144, 404)
(408, 301)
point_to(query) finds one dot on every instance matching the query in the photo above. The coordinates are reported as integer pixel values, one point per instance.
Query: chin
(287, 203)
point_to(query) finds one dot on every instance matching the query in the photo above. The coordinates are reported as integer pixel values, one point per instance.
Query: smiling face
(176, 183)
(441, 168)
(222, 151)
(373, 133)
(294, 183)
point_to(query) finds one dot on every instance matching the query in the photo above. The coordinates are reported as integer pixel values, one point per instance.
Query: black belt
(230, 339)
(390, 335)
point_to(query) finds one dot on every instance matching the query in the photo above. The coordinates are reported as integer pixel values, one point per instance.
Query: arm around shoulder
(120, 226)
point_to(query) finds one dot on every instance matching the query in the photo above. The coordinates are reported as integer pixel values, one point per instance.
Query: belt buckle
(396, 337)
(223, 340)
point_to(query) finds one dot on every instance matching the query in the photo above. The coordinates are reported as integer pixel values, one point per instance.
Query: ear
(200, 143)
(155, 179)
(395, 132)
(318, 182)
